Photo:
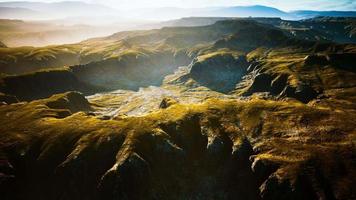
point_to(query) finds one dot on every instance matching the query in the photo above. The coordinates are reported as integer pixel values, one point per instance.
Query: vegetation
(251, 113)
(196, 142)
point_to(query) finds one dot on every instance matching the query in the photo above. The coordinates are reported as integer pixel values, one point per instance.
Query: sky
(286, 5)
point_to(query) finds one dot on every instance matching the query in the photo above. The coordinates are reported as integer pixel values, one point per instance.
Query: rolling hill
(240, 108)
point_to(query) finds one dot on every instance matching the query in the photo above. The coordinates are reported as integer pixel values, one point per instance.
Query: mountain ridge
(78, 8)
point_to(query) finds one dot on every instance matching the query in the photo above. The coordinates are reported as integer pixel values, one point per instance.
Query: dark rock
(315, 60)
(279, 83)
(104, 117)
(63, 113)
(42, 84)
(167, 102)
(254, 65)
(262, 168)
(303, 93)
(8, 99)
(241, 181)
(242, 152)
(218, 150)
(129, 179)
(277, 188)
(219, 72)
(261, 83)
(345, 61)
(270, 187)
(73, 101)
(252, 37)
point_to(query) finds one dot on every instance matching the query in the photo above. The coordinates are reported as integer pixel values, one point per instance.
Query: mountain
(233, 110)
(78, 8)
(19, 13)
(251, 11)
(312, 14)
(62, 9)
(236, 11)
(188, 21)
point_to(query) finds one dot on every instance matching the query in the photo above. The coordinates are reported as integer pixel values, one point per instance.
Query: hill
(312, 14)
(235, 109)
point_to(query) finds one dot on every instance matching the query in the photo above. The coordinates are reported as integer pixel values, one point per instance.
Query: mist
(29, 23)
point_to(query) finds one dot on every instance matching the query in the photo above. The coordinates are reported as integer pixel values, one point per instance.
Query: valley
(243, 108)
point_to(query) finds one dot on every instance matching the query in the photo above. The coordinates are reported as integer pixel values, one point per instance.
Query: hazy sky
(281, 4)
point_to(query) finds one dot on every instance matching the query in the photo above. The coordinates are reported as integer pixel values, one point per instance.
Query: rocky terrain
(239, 109)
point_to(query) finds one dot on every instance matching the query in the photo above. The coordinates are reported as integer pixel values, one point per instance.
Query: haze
(286, 5)
(46, 22)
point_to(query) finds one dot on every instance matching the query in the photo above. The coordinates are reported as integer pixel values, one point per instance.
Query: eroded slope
(256, 149)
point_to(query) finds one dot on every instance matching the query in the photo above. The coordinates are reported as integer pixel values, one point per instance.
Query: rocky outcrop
(166, 102)
(129, 179)
(252, 37)
(219, 72)
(203, 151)
(260, 83)
(303, 93)
(72, 101)
(8, 99)
(344, 61)
(315, 59)
(279, 83)
(43, 84)
(129, 71)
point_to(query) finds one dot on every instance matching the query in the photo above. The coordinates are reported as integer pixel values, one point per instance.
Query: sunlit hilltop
(177, 100)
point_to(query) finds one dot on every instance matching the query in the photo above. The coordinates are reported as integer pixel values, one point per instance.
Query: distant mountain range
(19, 13)
(312, 14)
(55, 10)
(65, 9)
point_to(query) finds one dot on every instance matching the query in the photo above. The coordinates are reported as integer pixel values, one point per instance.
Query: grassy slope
(189, 39)
(248, 149)
(283, 146)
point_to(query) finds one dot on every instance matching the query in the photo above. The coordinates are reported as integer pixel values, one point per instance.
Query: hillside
(28, 59)
(237, 109)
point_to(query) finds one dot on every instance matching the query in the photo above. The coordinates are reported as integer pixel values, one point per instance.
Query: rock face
(8, 99)
(207, 151)
(303, 93)
(129, 179)
(250, 38)
(316, 60)
(130, 71)
(345, 61)
(261, 83)
(42, 84)
(218, 145)
(72, 101)
(278, 86)
(166, 102)
(219, 72)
